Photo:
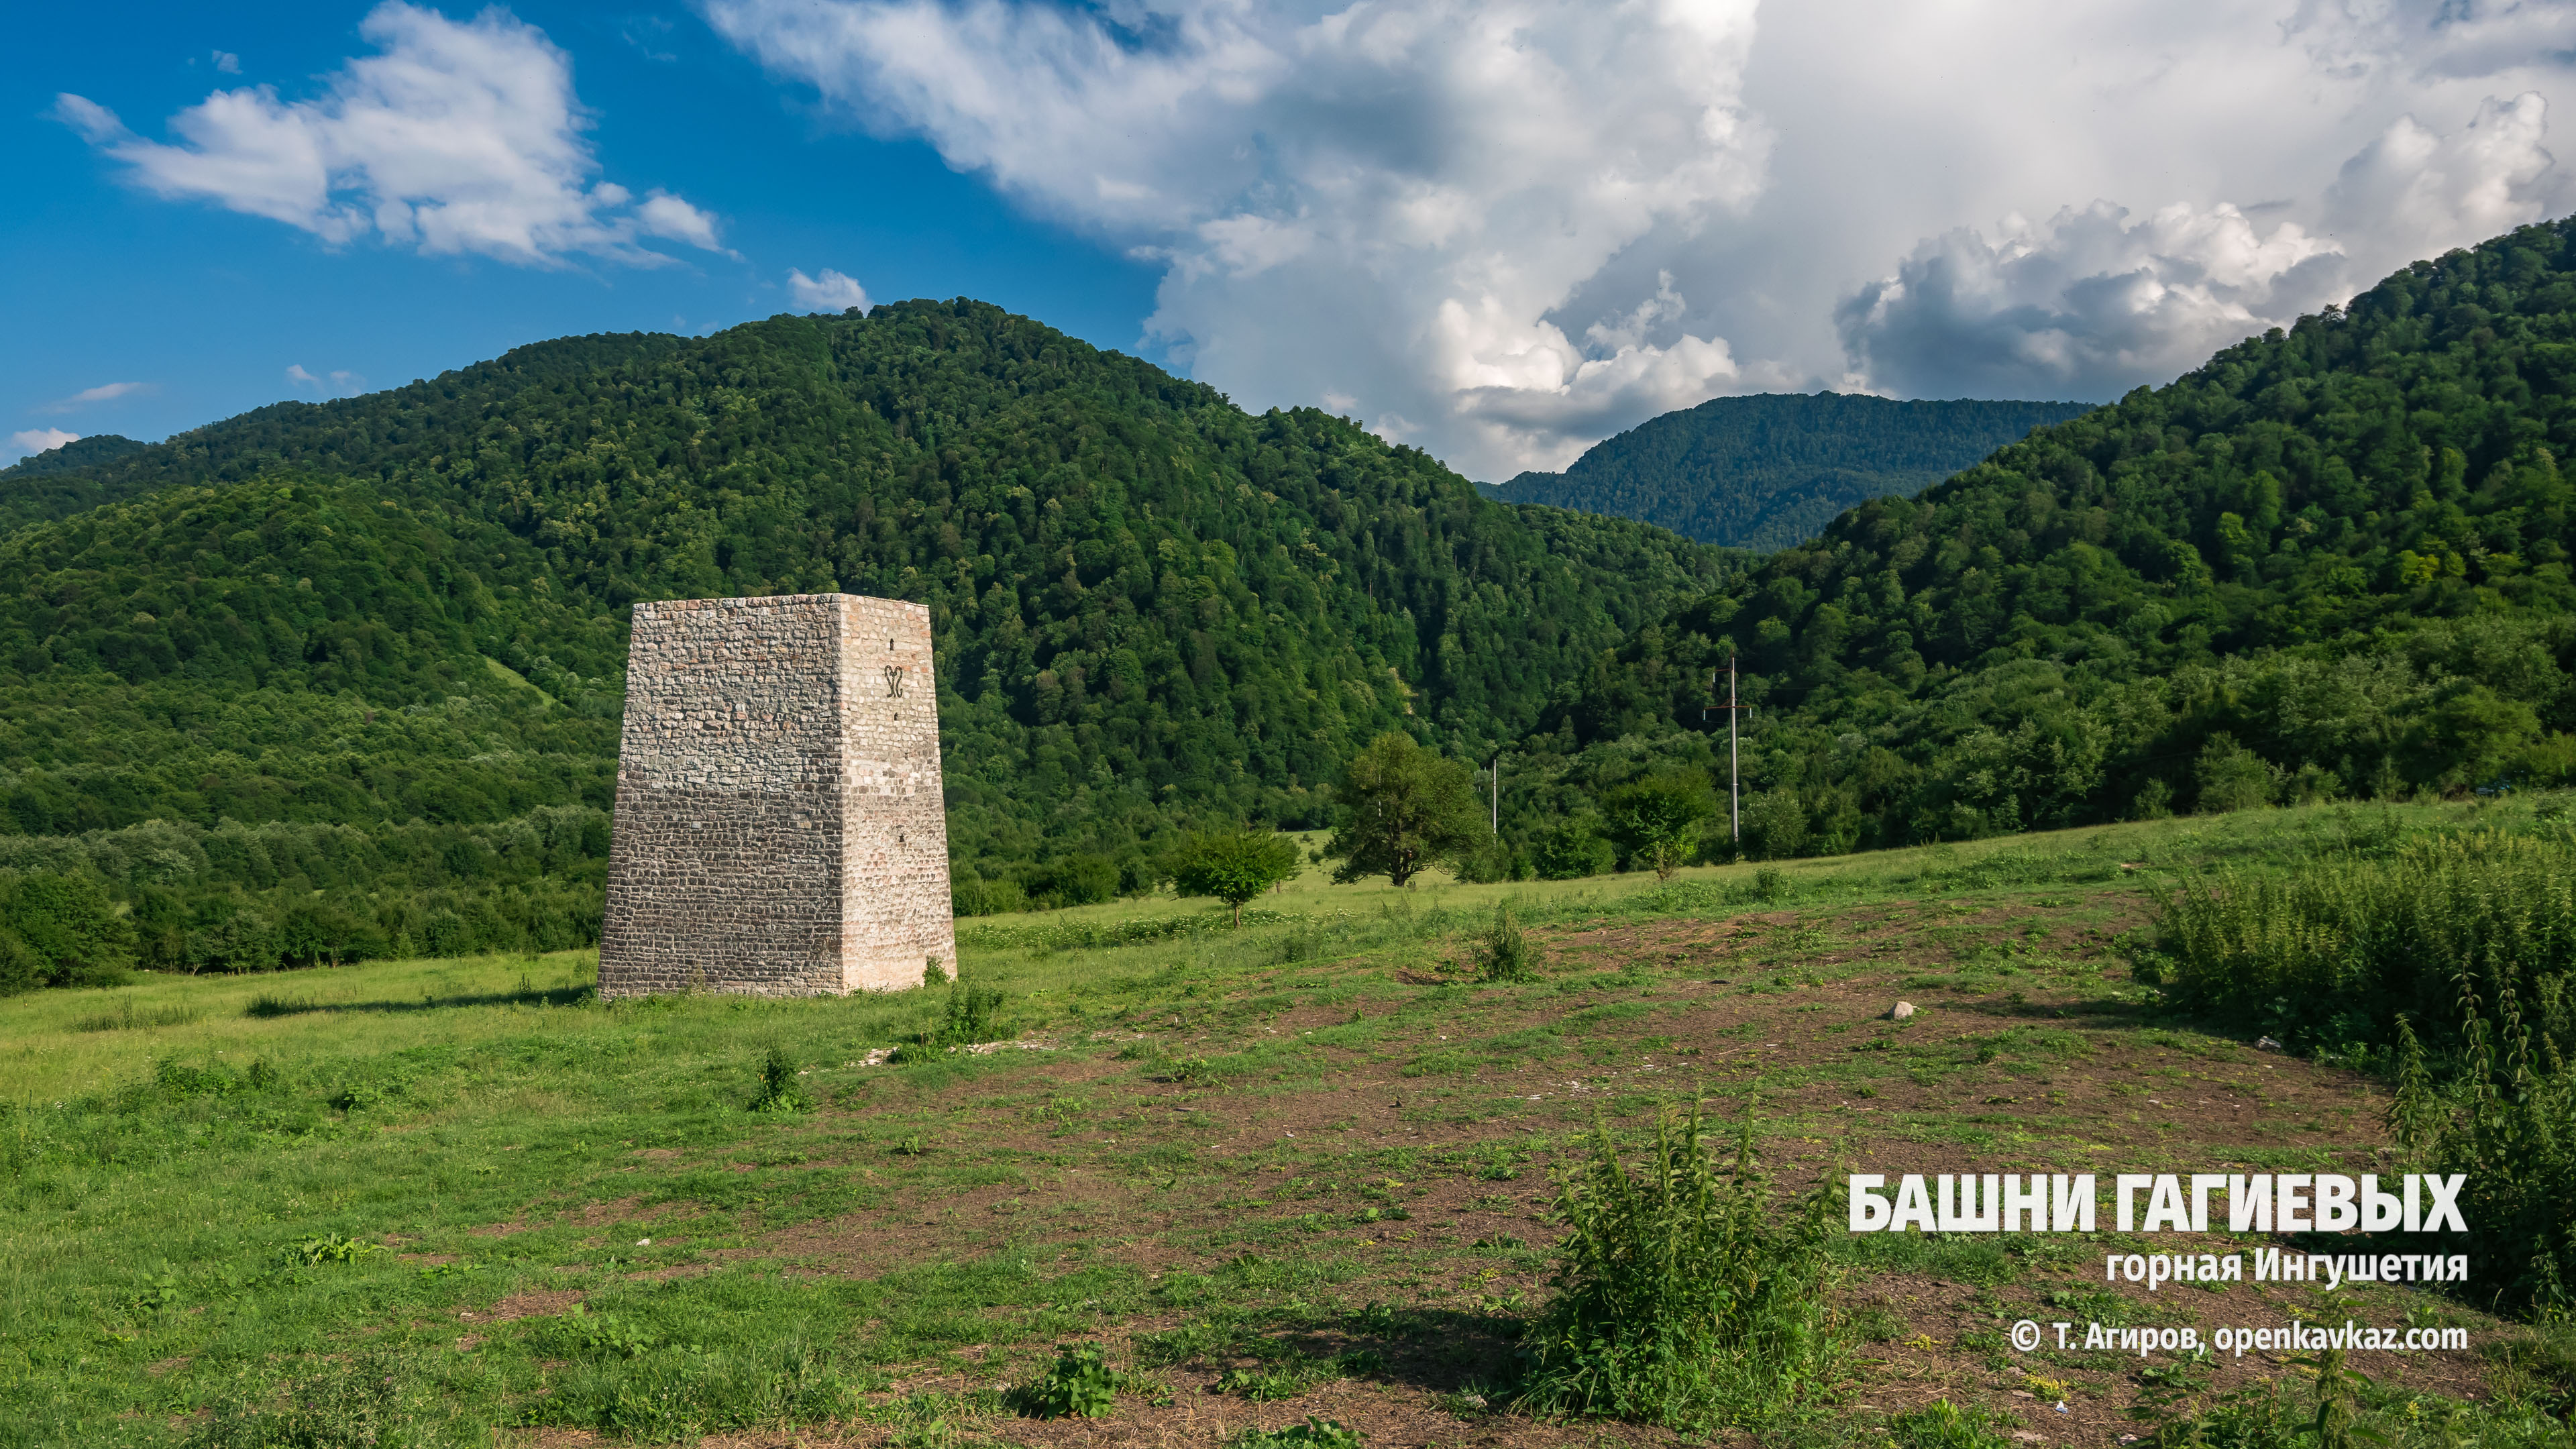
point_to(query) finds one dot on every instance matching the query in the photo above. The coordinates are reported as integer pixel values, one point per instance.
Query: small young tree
(1234, 866)
(1656, 819)
(1402, 809)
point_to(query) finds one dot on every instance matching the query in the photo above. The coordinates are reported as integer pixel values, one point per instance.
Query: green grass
(219, 1188)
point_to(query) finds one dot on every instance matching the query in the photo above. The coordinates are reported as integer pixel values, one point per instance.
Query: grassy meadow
(1300, 1169)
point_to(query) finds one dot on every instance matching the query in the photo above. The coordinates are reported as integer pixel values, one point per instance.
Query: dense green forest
(2332, 562)
(341, 678)
(372, 648)
(1772, 470)
(58, 481)
(78, 454)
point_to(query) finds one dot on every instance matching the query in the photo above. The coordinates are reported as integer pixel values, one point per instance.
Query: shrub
(1678, 1301)
(972, 895)
(1079, 1385)
(60, 930)
(1570, 850)
(1656, 820)
(2232, 777)
(972, 1015)
(1502, 951)
(445, 933)
(1775, 825)
(1493, 862)
(779, 1089)
(1072, 880)
(1232, 866)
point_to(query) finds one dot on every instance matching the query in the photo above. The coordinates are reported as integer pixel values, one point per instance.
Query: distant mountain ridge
(1771, 470)
(1153, 611)
(78, 453)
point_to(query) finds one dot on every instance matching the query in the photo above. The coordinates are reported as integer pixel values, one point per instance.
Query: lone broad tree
(1233, 866)
(1403, 809)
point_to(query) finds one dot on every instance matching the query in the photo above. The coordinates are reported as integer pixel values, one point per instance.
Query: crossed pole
(1734, 790)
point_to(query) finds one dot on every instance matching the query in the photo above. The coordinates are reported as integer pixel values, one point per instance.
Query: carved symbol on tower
(894, 681)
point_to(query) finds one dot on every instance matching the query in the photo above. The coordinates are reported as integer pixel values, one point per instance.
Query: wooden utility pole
(1495, 824)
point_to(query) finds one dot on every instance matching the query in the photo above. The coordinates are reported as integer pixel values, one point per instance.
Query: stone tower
(779, 825)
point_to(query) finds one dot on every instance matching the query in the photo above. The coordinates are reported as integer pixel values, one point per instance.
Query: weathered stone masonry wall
(779, 825)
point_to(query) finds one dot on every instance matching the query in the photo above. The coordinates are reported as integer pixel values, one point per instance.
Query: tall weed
(973, 1015)
(779, 1089)
(2333, 951)
(2509, 1122)
(1679, 1301)
(2331, 1406)
(2452, 960)
(1502, 951)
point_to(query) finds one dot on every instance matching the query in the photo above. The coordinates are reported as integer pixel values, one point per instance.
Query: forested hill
(87, 452)
(1151, 608)
(1772, 470)
(2332, 561)
(59, 480)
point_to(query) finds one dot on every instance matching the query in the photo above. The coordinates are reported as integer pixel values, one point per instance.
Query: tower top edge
(776, 601)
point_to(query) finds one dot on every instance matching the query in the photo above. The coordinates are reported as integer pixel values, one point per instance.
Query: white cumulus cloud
(2416, 191)
(829, 292)
(453, 138)
(1503, 230)
(665, 215)
(1392, 202)
(2082, 304)
(38, 440)
(337, 383)
(104, 392)
(2091, 303)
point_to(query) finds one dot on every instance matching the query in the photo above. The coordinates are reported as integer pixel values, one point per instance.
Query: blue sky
(1501, 229)
(206, 308)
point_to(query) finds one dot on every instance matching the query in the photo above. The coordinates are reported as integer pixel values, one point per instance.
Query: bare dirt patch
(548, 1303)
(1404, 1131)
